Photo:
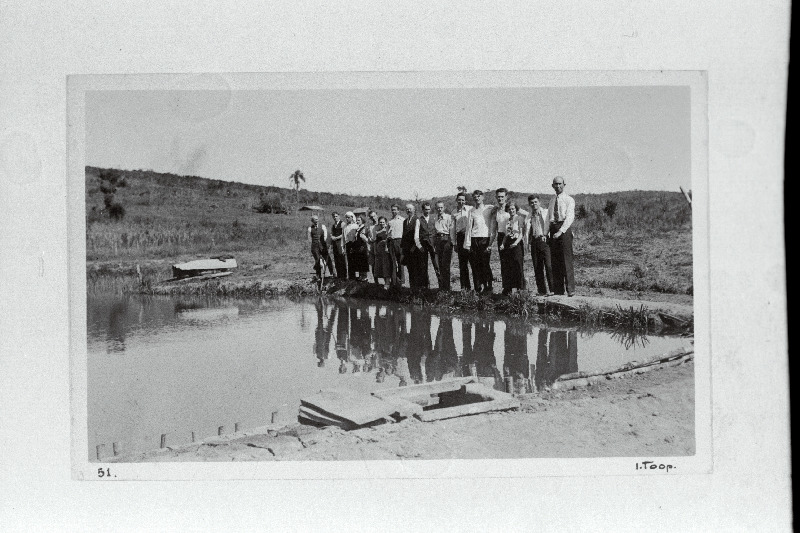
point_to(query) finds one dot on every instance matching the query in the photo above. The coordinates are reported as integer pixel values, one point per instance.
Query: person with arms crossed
(562, 215)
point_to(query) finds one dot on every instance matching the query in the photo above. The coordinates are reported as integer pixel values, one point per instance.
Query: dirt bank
(648, 414)
(637, 314)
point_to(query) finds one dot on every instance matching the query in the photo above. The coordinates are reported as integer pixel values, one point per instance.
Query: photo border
(77, 86)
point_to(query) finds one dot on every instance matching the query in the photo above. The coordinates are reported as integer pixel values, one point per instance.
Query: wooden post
(163, 440)
(193, 437)
(236, 426)
(274, 417)
(473, 370)
(509, 384)
(115, 448)
(99, 450)
(220, 430)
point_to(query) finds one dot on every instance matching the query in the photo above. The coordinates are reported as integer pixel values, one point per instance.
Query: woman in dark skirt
(360, 251)
(383, 262)
(511, 250)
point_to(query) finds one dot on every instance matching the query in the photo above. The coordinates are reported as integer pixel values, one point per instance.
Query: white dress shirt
(566, 210)
(461, 218)
(481, 224)
(396, 227)
(538, 224)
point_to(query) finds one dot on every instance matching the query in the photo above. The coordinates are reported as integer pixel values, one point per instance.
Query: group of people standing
(390, 248)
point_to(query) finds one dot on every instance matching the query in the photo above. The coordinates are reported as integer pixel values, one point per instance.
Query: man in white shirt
(562, 214)
(537, 227)
(460, 219)
(480, 226)
(395, 247)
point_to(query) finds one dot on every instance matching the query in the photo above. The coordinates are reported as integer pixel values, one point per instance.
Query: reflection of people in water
(322, 334)
(483, 352)
(117, 326)
(445, 357)
(466, 347)
(360, 336)
(419, 345)
(516, 362)
(342, 335)
(557, 355)
(383, 336)
(400, 348)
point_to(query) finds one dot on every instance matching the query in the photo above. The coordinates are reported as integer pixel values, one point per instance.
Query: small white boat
(203, 266)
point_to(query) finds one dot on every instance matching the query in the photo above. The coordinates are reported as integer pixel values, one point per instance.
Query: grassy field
(645, 247)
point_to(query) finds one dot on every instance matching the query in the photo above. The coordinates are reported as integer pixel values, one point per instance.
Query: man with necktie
(562, 214)
(537, 228)
(443, 242)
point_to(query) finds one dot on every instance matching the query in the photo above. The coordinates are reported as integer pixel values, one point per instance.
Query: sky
(402, 142)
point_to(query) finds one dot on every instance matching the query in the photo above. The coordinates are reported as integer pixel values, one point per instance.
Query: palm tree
(295, 179)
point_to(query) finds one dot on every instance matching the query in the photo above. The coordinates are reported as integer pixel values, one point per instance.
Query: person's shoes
(549, 294)
(570, 294)
(506, 292)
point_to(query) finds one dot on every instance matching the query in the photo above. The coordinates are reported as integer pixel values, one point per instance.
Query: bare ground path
(650, 414)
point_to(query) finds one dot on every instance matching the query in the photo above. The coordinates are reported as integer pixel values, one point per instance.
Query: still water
(161, 365)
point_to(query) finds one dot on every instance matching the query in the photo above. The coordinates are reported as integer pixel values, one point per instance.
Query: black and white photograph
(369, 266)
(483, 269)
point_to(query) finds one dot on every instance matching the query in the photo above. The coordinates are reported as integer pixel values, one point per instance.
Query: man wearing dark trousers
(411, 252)
(480, 226)
(443, 242)
(423, 238)
(395, 246)
(562, 214)
(537, 227)
(337, 243)
(460, 219)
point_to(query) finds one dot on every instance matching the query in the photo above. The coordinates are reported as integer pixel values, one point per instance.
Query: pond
(193, 366)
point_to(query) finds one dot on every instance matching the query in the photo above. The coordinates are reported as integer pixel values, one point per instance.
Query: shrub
(116, 211)
(610, 208)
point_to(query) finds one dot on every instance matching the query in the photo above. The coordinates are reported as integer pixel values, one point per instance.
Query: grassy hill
(143, 215)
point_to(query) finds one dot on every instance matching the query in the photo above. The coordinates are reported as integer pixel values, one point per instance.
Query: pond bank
(643, 315)
(649, 413)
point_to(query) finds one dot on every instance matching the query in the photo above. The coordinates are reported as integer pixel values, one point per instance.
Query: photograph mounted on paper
(387, 267)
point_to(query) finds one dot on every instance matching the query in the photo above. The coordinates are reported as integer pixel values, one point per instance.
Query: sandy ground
(648, 414)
